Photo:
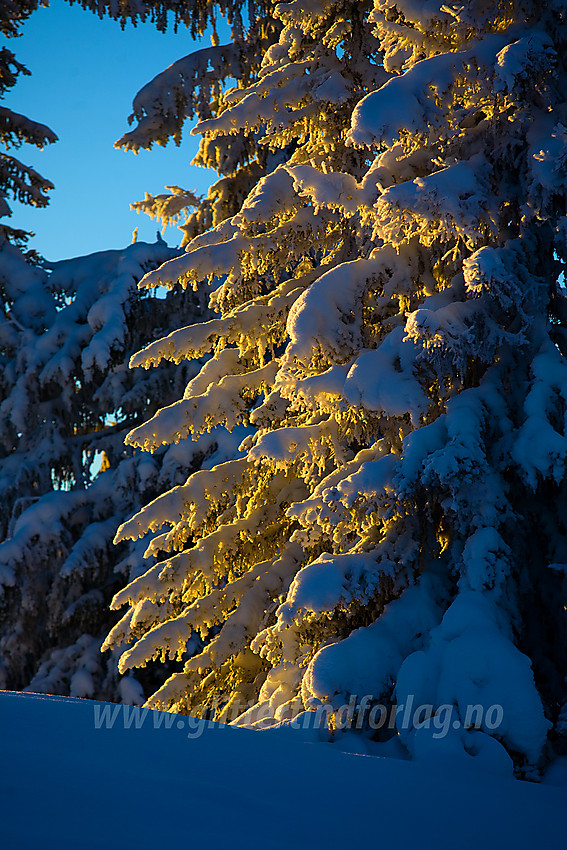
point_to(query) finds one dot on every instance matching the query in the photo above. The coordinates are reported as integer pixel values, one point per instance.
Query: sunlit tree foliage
(389, 321)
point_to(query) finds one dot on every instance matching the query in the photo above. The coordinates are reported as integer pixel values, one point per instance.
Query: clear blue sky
(85, 73)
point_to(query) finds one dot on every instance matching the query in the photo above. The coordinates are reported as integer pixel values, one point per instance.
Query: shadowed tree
(66, 401)
(18, 181)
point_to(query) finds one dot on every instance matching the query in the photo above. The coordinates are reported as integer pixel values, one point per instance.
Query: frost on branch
(389, 328)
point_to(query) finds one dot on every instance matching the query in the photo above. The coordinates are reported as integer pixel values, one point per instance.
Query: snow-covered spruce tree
(389, 293)
(283, 238)
(64, 348)
(66, 482)
(67, 400)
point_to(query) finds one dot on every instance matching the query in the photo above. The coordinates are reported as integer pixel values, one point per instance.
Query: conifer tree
(389, 303)
(67, 399)
(66, 481)
(18, 181)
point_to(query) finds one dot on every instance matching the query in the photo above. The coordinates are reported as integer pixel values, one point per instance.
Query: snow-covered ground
(64, 783)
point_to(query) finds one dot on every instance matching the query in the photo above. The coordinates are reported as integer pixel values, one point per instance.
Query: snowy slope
(66, 784)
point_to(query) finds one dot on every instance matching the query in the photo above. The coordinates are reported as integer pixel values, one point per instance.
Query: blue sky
(85, 73)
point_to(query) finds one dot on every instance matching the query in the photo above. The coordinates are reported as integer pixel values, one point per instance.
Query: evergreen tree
(18, 181)
(66, 481)
(66, 401)
(388, 298)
